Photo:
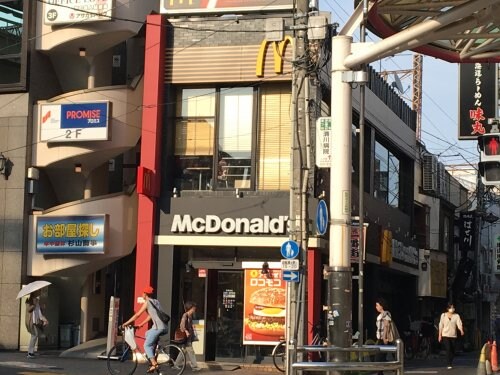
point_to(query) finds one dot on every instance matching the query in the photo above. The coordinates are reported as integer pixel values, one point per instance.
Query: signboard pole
(114, 307)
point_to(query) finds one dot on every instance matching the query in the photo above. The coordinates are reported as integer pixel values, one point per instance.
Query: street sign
(292, 276)
(324, 142)
(289, 249)
(321, 217)
(290, 264)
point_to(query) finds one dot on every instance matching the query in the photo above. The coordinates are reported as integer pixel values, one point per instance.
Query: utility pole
(338, 271)
(299, 184)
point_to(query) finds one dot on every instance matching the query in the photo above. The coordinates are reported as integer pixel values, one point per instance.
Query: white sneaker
(449, 367)
(195, 369)
(176, 367)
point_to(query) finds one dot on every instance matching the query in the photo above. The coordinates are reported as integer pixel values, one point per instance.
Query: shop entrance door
(225, 315)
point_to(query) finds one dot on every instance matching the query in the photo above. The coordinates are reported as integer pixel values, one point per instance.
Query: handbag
(180, 335)
(392, 333)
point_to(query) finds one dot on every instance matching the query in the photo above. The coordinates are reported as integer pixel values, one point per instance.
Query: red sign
(264, 307)
(146, 182)
(222, 6)
(202, 272)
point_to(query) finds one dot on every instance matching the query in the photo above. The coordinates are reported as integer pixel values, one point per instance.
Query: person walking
(186, 325)
(383, 324)
(158, 328)
(449, 323)
(35, 321)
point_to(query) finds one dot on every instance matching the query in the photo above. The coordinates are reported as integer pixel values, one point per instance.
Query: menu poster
(264, 307)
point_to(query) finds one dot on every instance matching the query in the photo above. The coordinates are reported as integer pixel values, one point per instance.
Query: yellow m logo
(278, 50)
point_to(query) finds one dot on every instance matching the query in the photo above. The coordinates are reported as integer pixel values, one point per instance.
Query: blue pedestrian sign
(289, 249)
(322, 217)
(291, 276)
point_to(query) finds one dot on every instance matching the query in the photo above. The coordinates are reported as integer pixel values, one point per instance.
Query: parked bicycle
(418, 340)
(123, 360)
(279, 351)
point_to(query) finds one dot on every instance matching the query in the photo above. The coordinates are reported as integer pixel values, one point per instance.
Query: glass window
(235, 138)
(386, 179)
(209, 114)
(11, 41)
(217, 142)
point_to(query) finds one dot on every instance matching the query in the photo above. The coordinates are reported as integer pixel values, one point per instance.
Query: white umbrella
(31, 287)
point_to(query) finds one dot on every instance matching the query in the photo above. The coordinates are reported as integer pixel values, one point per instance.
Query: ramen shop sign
(214, 224)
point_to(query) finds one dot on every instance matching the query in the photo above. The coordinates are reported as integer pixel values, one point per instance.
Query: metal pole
(361, 186)
(298, 193)
(338, 271)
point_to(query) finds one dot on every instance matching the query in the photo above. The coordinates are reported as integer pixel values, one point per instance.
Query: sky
(439, 95)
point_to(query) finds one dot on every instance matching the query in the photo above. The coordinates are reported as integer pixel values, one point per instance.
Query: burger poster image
(264, 307)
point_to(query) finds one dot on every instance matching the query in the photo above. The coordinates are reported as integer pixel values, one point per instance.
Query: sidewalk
(97, 349)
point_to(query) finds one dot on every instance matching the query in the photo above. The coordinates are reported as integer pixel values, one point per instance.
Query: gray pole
(338, 272)
(300, 174)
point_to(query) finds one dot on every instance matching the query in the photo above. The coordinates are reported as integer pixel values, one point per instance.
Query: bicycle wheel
(425, 347)
(279, 356)
(121, 360)
(171, 360)
(408, 350)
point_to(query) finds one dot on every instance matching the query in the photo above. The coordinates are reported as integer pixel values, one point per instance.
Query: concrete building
(69, 206)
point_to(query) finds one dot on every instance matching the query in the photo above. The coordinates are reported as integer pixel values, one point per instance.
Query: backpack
(164, 317)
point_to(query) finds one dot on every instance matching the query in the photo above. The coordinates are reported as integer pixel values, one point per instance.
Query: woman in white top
(449, 323)
(35, 321)
(383, 322)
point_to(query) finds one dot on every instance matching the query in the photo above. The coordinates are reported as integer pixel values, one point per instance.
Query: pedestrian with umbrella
(35, 320)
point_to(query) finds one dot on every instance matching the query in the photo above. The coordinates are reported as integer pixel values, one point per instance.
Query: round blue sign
(290, 249)
(322, 217)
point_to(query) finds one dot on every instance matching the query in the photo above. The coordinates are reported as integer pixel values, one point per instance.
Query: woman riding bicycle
(158, 328)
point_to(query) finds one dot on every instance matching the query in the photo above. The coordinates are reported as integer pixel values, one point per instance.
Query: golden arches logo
(278, 50)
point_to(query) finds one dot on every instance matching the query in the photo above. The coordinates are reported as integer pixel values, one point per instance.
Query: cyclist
(158, 328)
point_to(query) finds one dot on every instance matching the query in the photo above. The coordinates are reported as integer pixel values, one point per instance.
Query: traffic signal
(489, 166)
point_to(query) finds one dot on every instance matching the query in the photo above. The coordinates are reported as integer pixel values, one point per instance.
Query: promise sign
(74, 122)
(478, 99)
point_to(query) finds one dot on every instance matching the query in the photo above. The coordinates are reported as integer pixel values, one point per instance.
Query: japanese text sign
(478, 90)
(71, 234)
(467, 231)
(264, 307)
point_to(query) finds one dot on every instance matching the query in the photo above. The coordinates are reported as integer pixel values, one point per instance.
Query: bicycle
(417, 341)
(279, 351)
(122, 359)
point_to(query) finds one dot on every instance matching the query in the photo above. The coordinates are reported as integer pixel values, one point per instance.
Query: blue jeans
(152, 336)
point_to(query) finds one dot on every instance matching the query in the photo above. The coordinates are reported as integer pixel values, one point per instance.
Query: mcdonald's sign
(222, 6)
(278, 51)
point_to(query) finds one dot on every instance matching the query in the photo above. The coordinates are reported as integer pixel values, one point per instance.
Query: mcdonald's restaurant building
(214, 179)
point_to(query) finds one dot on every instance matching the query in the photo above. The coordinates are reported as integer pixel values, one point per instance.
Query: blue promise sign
(71, 234)
(74, 122)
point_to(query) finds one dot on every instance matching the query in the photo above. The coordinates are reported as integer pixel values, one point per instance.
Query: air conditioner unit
(430, 173)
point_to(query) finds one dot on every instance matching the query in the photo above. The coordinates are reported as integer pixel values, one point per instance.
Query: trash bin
(75, 335)
(65, 335)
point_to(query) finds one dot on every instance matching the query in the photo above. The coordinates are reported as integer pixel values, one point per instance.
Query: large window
(11, 43)
(233, 138)
(214, 137)
(386, 179)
